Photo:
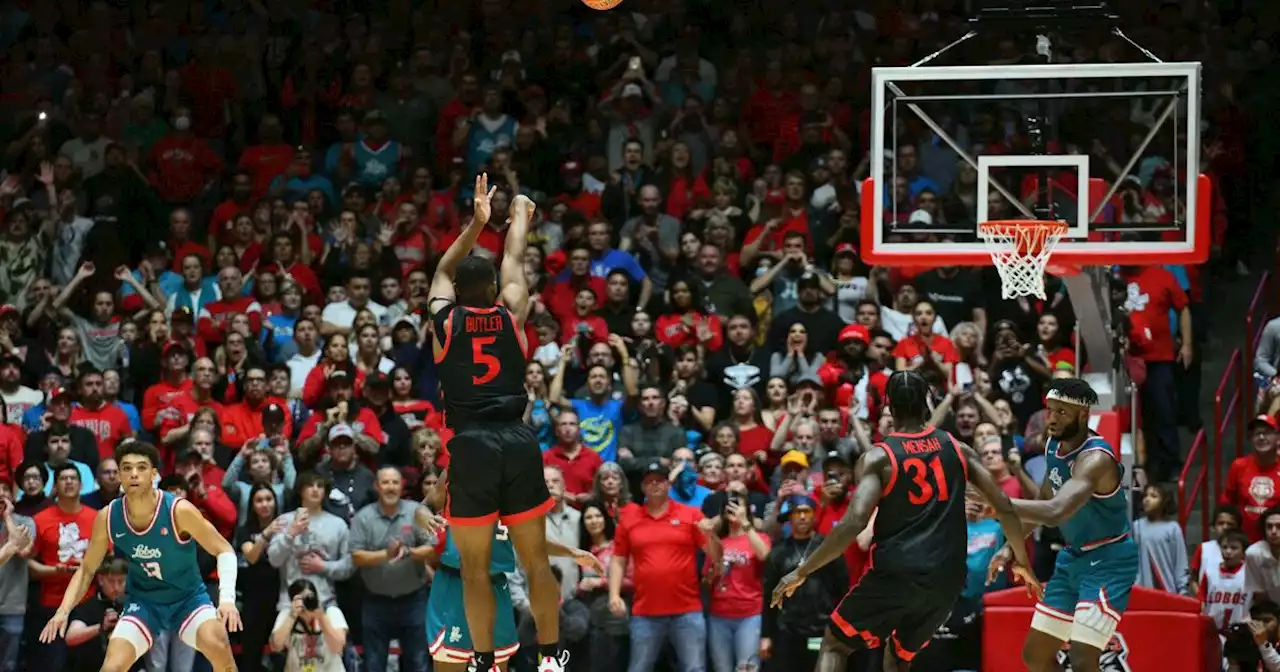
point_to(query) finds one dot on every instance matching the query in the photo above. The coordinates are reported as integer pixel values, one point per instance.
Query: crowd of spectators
(220, 221)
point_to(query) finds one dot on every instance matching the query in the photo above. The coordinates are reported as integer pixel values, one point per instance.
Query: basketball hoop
(1020, 249)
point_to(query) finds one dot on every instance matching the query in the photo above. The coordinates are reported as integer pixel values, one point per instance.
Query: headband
(1064, 398)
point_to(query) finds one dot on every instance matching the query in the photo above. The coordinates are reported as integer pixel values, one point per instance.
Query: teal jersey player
(156, 533)
(162, 566)
(449, 639)
(1083, 495)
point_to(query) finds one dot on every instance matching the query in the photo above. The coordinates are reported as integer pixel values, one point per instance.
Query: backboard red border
(936, 254)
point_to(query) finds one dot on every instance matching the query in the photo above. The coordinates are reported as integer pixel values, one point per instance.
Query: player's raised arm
(515, 290)
(870, 475)
(192, 522)
(99, 544)
(442, 283)
(990, 490)
(1088, 476)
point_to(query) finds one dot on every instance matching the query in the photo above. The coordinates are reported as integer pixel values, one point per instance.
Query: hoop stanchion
(1020, 250)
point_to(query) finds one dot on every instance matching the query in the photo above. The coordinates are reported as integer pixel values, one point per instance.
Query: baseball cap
(511, 56)
(532, 91)
(342, 430)
(184, 313)
(189, 454)
(273, 413)
(170, 346)
(652, 469)
(808, 379)
(846, 248)
(920, 217)
(338, 376)
(10, 359)
(855, 332)
(835, 457)
(374, 116)
(9, 310)
(571, 167)
(795, 457)
(377, 379)
(59, 392)
(1265, 420)
(819, 163)
(632, 90)
(794, 502)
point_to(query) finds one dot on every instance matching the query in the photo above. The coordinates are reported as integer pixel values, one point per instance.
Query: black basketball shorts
(888, 606)
(495, 472)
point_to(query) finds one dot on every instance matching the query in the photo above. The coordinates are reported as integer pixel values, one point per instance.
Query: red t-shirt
(265, 162)
(559, 295)
(1254, 488)
(61, 539)
(108, 424)
(569, 328)
(1151, 293)
(579, 471)
(774, 241)
(671, 330)
(158, 397)
(914, 347)
(825, 519)
(664, 550)
(740, 591)
(754, 440)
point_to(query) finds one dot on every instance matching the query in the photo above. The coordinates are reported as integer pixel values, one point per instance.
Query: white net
(1019, 251)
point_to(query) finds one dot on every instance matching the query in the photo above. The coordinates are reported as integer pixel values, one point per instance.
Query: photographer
(1254, 641)
(311, 638)
(92, 622)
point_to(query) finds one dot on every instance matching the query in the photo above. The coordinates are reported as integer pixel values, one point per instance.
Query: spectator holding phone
(262, 461)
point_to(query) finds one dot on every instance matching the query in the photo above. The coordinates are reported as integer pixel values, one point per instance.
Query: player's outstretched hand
(55, 628)
(483, 196)
(1025, 576)
(587, 560)
(1002, 559)
(786, 586)
(230, 616)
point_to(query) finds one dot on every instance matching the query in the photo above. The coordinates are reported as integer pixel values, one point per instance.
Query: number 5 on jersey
(928, 479)
(492, 367)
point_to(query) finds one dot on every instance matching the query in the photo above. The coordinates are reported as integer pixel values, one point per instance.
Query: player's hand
(55, 628)
(230, 616)
(1002, 559)
(786, 587)
(617, 607)
(1025, 576)
(483, 195)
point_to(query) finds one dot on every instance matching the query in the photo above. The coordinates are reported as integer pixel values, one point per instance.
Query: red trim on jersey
(173, 522)
(142, 627)
(893, 471)
(187, 623)
(903, 654)
(837, 620)
(154, 514)
(488, 519)
(448, 336)
(520, 335)
(928, 429)
(964, 462)
(484, 311)
(539, 510)
(1054, 613)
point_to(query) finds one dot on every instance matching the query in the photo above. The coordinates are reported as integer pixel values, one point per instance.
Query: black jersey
(920, 526)
(480, 359)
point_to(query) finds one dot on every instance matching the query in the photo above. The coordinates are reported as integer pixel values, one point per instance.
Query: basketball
(601, 4)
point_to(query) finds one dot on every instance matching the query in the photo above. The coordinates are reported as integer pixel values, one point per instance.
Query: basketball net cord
(1020, 251)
